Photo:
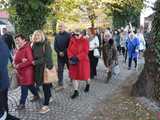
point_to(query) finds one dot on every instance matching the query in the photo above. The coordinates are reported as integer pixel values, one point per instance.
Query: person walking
(133, 49)
(60, 45)
(7, 37)
(79, 66)
(123, 42)
(25, 72)
(106, 38)
(4, 82)
(111, 57)
(94, 53)
(142, 44)
(116, 37)
(42, 54)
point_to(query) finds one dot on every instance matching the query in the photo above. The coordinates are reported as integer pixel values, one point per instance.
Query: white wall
(146, 10)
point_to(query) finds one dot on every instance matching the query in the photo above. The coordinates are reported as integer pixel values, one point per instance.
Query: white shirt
(142, 41)
(4, 116)
(94, 43)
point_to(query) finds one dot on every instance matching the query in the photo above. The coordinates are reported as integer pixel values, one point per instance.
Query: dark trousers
(47, 93)
(10, 56)
(24, 92)
(130, 62)
(4, 100)
(119, 48)
(93, 65)
(61, 63)
(123, 50)
(4, 105)
(126, 55)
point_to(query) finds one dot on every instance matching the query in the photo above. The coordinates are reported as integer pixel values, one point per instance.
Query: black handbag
(74, 60)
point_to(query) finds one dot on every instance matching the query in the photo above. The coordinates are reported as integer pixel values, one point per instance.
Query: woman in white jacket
(142, 41)
(93, 53)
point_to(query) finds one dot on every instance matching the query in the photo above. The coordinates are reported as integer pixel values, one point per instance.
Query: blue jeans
(24, 92)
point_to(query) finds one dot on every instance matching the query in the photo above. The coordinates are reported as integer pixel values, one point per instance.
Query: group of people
(79, 51)
(29, 60)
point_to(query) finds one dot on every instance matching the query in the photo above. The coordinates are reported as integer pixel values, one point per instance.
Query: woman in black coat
(42, 53)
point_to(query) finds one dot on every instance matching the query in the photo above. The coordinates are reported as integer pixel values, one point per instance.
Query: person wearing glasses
(79, 66)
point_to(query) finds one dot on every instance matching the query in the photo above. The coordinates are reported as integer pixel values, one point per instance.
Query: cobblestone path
(62, 107)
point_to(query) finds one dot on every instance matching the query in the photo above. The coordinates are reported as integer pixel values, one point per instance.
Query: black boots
(75, 94)
(10, 117)
(87, 88)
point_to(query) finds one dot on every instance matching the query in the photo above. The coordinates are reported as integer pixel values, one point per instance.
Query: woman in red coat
(79, 67)
(25, 74)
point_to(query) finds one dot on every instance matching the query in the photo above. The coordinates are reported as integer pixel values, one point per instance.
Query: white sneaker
(51, 99)
(4, 116)
(44, 110)
(59, 88)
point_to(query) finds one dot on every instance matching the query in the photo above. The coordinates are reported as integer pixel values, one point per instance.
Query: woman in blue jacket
(133, 52)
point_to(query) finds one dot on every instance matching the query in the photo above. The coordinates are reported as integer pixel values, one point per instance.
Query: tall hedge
(126, 15)
(29, 15)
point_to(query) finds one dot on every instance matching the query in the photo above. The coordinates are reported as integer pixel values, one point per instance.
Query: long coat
(42, 54)
(79, 48)
(109, 54)
(4, 55)
(25, 71)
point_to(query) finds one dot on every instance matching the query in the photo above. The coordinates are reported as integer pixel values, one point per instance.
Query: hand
(13, 65)
(137, 50)
(14, 51)
(33, 62)
(24, 60)
(61, 54)
(116, 62)
(95, 45)
(16, 66)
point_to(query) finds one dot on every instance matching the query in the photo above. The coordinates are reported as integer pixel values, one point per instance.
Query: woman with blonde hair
(107, 36)
(42, 54)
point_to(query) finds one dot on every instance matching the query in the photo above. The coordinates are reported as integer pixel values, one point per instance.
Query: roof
(4, 14)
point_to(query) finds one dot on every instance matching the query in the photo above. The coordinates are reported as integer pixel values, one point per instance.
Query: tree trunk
(148, 83)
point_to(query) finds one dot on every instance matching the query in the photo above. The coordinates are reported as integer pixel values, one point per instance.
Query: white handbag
(116, 69)
(96, 53)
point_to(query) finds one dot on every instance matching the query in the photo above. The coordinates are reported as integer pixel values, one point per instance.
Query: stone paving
(62, 107)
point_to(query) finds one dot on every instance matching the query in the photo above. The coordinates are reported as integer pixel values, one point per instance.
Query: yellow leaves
(68, 9)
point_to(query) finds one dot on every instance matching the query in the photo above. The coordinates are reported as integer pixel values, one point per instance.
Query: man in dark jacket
(4, 82)
(9, 41)
(60, 45)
